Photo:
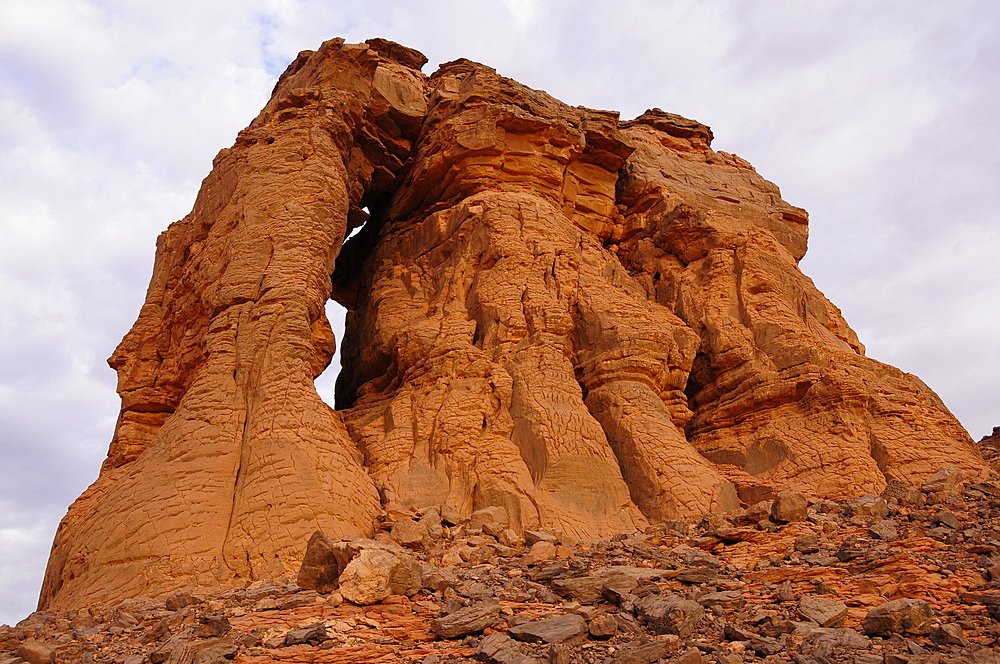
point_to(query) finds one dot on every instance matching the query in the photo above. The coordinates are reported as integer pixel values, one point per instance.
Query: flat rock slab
(822, 610)
(566, 628)
(646, 653)
(590, 589)
(465, 621)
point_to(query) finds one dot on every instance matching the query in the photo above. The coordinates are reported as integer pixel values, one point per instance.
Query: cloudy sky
(878, 117)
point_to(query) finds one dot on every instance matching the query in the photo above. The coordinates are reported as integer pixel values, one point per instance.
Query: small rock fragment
(869, 505)
(540, 551)
(603, 626)
(409, 533)
(465, 621)
(498, 648)
(509, 537)
(807, 543)
(911, 616)
(496, 517)
(697, 575)
(532, 536)
(944, 481)
(948, 634)
(885, 530)
(211, 626)
(179, 600)
(789, 506)
(728, 599)
(823, 611)
(735, 633)
(690, 656)
(438, 578)
(670, 614)
(313, 634)
(36, 652)
(322, 564)
(649, 651)
(947, 518)
(376, 573)
(566, 628)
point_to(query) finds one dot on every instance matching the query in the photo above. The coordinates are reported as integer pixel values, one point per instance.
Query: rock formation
(592, 324)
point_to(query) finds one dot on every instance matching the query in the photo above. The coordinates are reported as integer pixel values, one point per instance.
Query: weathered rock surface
(578, 324)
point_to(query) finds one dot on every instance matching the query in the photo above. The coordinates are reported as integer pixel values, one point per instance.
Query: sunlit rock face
(592, 323)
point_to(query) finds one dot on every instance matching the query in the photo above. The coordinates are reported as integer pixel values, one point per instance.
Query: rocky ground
(911, 576)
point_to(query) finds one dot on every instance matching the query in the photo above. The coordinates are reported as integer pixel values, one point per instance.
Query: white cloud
(877, 117)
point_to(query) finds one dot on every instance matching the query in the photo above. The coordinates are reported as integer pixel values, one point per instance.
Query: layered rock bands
(594, 324)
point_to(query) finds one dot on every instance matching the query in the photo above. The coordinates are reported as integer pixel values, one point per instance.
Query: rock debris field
(910, 576)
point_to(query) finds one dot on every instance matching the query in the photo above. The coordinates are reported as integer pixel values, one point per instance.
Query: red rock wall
(594, 324)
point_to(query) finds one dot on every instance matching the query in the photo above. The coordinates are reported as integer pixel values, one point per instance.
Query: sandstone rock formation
(592, 324)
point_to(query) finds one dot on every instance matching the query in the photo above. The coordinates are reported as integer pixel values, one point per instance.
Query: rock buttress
(591, 323)
(224, 459)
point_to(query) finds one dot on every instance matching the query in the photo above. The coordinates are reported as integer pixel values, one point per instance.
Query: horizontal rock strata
(588, 324)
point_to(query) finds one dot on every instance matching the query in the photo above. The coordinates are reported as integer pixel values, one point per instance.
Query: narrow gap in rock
(336, 312)
(326, 382)
(347, 281)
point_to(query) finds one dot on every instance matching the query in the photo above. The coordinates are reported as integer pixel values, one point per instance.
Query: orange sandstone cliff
(592, 323)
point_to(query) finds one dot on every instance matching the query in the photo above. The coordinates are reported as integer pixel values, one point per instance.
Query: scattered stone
(322, 564)
(807, 543)
(642, 651)
(947, 518)
(465, 621)
(376, 573)
(540, 551)
(495, 517)
(944, 481)
(869, 505)
(823, 611)
(728, 599)
(179, 600)
(733, 632)
(212, 626)
(509, 537)
(764, 646)
(313, 634)
(438, 578)
(670, 614)
(451, 516)
(409, 533)
(885, 530)
(789, 506)
(826, 640)
(566, 628)
(948, 634)
(697, 575)
(603, 626)
(533, 536)
(34, 652)
(498, 648)
(909, 616)
(690, 656)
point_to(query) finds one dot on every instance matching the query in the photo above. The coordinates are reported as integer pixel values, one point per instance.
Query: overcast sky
(878, 117)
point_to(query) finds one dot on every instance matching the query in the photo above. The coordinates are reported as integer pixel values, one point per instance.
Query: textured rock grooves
(591, 323)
